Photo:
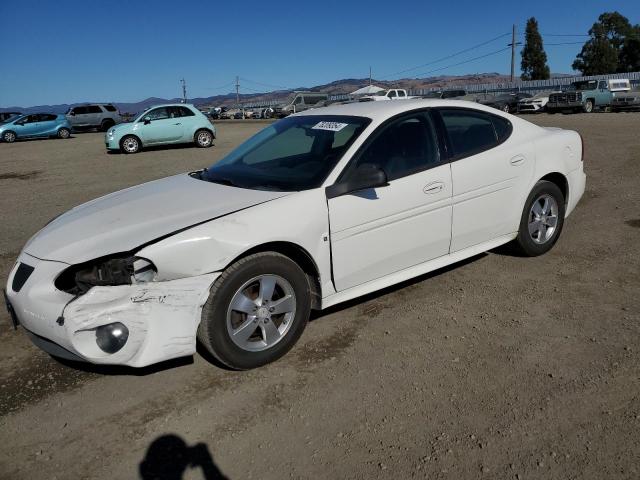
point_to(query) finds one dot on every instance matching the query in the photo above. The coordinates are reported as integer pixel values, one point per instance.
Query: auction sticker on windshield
(331, 126)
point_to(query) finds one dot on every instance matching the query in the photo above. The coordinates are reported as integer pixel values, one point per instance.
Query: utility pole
(369, 75)
(184, 91)
(238, 94)
(513, 51)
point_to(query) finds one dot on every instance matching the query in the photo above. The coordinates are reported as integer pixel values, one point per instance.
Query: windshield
(433, 95)
(293, 154)
(381, 93)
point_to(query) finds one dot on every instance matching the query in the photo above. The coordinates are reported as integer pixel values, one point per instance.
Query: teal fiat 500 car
(162, 125)
(34, 125)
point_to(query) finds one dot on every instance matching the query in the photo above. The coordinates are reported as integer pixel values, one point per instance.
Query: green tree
(601, 53)
(534, 59)
(630, 53)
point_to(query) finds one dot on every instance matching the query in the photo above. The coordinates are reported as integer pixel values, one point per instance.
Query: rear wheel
(130, 144)
(106, 125)
(64, 133)
(542, 219)
(9, 137)
(204, 138)
(506, 108)
(256, 311)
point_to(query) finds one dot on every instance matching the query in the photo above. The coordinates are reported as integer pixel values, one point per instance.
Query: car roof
(382, 110)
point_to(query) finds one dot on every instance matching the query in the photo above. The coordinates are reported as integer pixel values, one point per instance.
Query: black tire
(106, 125)
(9, 136)
(203, 138)
(525, 242)
(213, 332)
(506, 108)
(130, 144)
(588, 106)
(64, 133)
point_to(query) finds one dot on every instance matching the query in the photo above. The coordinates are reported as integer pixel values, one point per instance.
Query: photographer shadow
(169, 457)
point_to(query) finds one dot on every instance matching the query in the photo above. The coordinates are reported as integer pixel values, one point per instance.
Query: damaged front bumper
(161, 318)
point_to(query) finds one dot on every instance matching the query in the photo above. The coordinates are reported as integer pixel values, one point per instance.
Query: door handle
(433, 187)
(517, 160)
(177, 123)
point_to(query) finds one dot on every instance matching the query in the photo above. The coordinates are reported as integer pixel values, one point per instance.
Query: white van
(299, 101)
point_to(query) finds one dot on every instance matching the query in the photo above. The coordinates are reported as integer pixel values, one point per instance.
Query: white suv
(96, 115)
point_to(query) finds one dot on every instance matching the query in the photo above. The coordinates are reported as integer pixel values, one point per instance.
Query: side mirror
(147, 120)
(365, 176)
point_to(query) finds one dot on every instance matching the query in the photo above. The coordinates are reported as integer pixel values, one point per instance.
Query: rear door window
(470, 132)
(47, 117)
(109, 108)
(94, 109)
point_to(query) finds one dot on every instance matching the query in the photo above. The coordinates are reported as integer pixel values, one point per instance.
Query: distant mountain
(337, 87)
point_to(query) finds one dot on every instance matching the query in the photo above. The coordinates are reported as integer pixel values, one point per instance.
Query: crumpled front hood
(124, 220)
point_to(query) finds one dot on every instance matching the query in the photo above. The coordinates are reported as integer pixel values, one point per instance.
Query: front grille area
(23, 272)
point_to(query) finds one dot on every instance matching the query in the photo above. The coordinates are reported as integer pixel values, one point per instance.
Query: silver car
(95, 115)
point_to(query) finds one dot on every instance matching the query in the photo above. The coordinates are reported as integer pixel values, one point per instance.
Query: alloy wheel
(261, 312)
(543, 218)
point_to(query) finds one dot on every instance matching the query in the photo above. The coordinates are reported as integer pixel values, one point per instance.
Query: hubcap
(64, 133)
(204, 138)
(130, 145)
(543, 219)
(9, 137)
(261, 313)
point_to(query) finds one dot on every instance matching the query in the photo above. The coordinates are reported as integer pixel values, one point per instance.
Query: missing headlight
(106, 271)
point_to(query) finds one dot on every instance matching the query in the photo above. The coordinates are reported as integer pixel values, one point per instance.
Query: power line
(448, 56)
(563, 43)
(565, 35)
(466, 61)
(266, 84)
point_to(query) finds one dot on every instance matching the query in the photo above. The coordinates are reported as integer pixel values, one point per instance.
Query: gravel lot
(499, 367)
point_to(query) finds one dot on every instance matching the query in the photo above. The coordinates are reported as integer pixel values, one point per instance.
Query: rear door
(491, 171)
(376, 232)
(47, 124)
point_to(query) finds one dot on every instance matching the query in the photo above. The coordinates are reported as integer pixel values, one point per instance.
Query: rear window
(109, 108)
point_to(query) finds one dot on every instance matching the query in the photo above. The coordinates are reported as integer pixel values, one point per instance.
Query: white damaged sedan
(316, 209)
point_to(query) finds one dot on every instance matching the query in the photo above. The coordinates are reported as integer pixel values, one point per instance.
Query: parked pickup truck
(391, 94)
(587, 95)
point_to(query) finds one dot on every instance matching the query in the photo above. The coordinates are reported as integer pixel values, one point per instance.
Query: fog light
(111, 338)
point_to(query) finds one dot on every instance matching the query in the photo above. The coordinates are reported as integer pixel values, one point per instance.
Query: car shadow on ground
(316, 314)
(169, 457)
(177, 146)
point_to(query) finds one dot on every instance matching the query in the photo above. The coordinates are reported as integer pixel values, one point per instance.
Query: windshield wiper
(224, 181)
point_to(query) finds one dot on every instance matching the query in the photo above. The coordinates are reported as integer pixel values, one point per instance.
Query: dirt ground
(499, 367)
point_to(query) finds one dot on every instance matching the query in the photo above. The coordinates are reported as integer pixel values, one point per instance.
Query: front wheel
(130, 144)
(542, 219)
(9, 137)
(204, 138)
(64, 133)
(256, 311)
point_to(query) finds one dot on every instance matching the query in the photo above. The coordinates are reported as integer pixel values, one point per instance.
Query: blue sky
(72, 51)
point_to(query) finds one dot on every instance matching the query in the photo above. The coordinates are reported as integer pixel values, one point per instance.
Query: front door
(160, 127)
(376, 232)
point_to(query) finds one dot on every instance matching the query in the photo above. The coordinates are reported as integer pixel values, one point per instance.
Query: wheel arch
(129, 135)
(560, 180)
(300, 256)
(206, 129)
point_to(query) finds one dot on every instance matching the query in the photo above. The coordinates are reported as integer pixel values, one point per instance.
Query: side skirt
(415, 271)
